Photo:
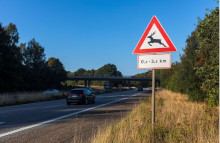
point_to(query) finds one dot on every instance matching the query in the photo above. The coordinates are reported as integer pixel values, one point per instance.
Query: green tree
(10, 59)
(57, 73)
(174, 82)
(207, 64)
(35, 66)
(107, 70)
(90, 72)
(198, 72)
(80, 72)
(119, 74)
(12, 32)
(190, 82)
(34, 56)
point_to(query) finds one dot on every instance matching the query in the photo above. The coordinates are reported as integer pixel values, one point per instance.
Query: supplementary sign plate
(154, 61)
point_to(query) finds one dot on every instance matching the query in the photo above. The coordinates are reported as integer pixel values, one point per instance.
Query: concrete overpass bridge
(123, 79)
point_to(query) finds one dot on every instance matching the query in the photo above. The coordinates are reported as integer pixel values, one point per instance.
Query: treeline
(24, 67)
(106, 70)
(197, 74)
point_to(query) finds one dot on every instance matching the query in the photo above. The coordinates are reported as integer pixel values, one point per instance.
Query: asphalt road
(54, 121)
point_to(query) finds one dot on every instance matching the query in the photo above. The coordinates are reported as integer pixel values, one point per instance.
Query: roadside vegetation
(177, 120)
(28, 97)
(16, 98)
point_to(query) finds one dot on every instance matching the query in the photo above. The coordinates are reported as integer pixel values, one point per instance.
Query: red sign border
(153, 67)
(171, 47)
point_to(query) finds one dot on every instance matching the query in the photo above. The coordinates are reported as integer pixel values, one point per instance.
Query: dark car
(80, 96)
(140, 88)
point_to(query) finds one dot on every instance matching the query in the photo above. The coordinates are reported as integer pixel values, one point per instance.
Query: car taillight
(68, 94)
(81, 94)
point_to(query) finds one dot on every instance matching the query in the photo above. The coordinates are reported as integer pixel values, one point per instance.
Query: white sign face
(154, 61)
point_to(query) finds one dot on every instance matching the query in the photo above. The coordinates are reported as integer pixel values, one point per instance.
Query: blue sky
(90, 33)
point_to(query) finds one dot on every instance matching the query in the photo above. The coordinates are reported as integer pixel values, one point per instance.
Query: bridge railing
(106, 76)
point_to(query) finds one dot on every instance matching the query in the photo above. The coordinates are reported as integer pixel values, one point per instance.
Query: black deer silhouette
(152, 40)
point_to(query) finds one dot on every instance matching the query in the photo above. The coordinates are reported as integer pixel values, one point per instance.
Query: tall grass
(177, 120)
(27, 97)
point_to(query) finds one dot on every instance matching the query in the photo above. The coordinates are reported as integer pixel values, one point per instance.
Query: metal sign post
(153, 97)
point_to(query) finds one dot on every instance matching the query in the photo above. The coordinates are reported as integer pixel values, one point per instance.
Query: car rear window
(76, 91)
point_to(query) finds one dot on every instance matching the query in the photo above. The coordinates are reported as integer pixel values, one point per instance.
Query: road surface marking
(62, 117)
(2, 123)
(112, 95)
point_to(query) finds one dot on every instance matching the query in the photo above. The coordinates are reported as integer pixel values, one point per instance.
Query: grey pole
(153, 97)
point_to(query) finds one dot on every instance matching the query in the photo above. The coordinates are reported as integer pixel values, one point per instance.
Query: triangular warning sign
(154, 39)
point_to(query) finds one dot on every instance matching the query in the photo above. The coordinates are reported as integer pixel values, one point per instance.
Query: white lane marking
(61, 117)
(2, 123)
(112, 95)
(54, 106)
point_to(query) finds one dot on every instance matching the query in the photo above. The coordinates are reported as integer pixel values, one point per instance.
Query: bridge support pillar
(89, 83)
(85, 81)
(129, 84)
(124, 83)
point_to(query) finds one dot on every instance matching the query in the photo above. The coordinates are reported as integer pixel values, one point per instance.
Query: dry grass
(177, 120)
(27, 97)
